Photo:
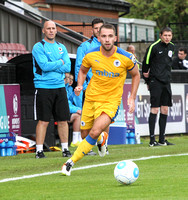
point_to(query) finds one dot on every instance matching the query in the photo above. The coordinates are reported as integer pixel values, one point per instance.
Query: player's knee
(154, 110)
(164, 110)
(84, 133)
(95, 132)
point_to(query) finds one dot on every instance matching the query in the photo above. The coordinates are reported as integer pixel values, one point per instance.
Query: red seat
(1, 49)
(4, 49)
(11, 50)
(14, 49)
(23, 49)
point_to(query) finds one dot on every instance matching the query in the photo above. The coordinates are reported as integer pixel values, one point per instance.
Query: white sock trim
(64, 146)
(39, 147)
(75, 137)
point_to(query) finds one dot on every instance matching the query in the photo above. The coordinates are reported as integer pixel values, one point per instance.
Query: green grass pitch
(165, 177)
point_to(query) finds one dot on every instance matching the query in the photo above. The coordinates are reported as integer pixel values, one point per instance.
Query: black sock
(152, 119)
(162, 127)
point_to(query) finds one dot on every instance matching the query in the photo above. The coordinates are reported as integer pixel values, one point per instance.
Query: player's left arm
(135, 83)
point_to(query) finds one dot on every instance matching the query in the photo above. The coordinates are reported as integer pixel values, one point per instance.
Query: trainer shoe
(67, 167)
(74, 144)
(153, 144)
(91, 153)
(165, 143)
(102, 147)
(40, 154)
(66, 153)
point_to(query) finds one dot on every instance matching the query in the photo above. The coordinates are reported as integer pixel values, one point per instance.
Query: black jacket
(158, 59)
(178, 64)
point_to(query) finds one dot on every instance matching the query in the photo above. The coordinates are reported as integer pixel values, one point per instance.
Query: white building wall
(135, 30)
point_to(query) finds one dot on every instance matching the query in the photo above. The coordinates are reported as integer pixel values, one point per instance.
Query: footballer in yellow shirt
(109, 65)
(105, 89)
(109, 74)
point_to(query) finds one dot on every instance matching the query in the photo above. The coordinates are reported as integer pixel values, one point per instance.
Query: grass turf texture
(160, 178)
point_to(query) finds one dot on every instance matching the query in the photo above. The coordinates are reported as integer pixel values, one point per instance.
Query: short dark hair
(183, 49)
(97, 21)
(168, 29)
(107, 26)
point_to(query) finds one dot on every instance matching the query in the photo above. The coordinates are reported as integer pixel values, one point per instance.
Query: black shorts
(50, 102)
(160, 93)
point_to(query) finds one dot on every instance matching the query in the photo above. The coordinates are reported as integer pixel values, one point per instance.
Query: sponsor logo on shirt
(107, 74)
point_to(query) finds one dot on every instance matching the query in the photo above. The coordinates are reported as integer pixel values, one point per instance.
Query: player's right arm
(81, 78)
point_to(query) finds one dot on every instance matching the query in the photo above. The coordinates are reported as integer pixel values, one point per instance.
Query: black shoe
(165, 143)
(153, 144)
(40, 154)
(91, 153)
(66, 153)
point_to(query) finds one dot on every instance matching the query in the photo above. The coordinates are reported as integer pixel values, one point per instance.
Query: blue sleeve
(78, 99)
(69, 90)
(42, 60)
(81, 51)
(70, 93)
(73, 108)
(79, 57)
(67, 63)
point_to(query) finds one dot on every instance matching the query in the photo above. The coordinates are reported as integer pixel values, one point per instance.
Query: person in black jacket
(156, 71)
(180, 62)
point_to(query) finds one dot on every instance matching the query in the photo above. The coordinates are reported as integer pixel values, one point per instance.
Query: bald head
(49, 30)
(131, 49)
(47, 23)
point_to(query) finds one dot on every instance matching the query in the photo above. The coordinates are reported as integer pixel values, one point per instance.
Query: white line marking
(86, 167)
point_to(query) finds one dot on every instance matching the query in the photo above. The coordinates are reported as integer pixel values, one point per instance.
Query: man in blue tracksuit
(85, 46)
(50, 63)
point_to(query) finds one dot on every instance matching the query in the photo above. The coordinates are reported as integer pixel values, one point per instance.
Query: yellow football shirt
(109, 74)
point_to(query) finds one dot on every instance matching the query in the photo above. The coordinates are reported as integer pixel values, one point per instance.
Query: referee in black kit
(156, 71)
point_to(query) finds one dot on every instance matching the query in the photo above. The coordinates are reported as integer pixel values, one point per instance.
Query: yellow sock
(84, 147)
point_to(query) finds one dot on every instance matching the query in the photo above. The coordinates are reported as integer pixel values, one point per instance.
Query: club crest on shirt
(117, 63)
(60, 49)
(170, 53)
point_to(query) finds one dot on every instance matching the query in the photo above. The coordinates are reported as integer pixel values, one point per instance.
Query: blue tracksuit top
(49, 71)
(81, 51)
(75, 102)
